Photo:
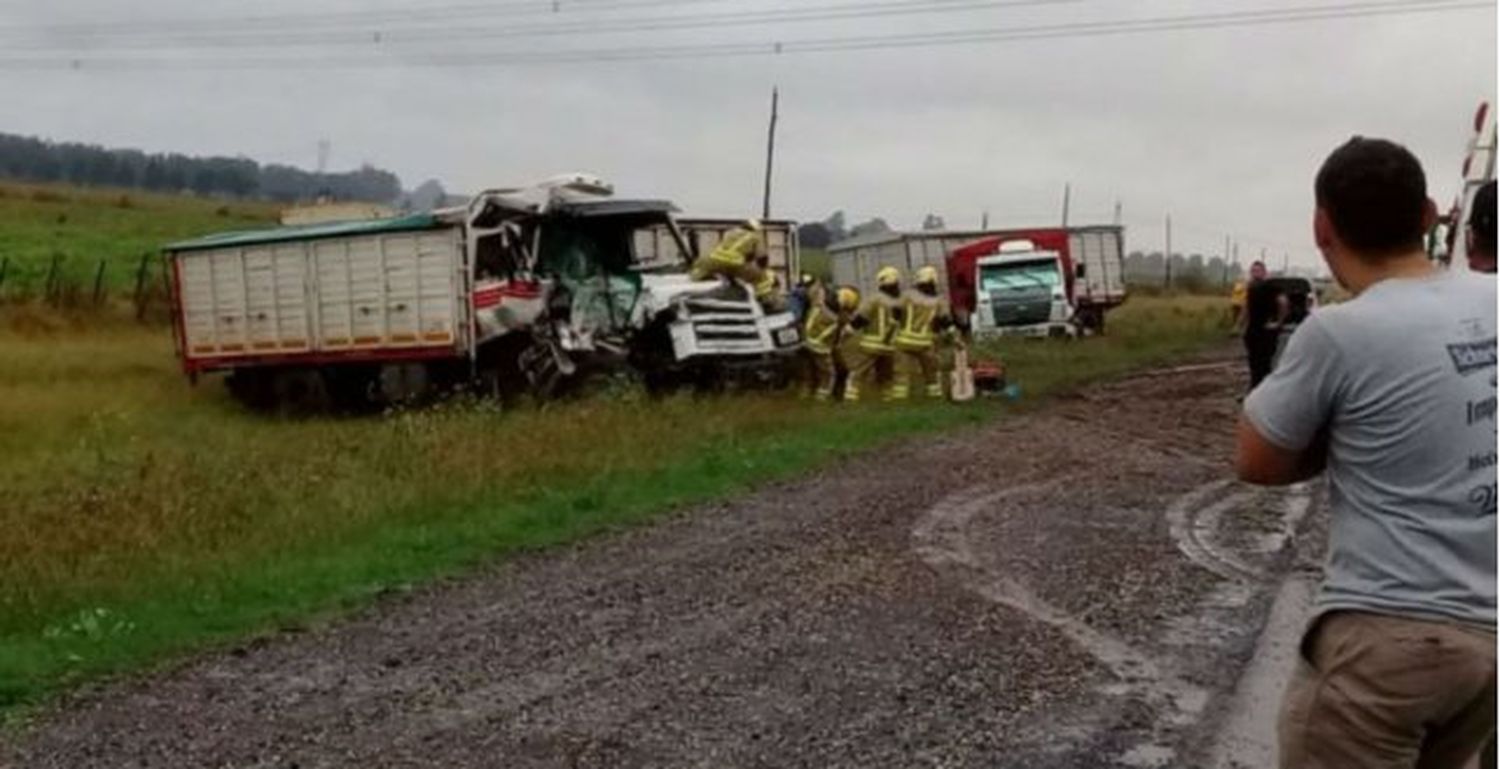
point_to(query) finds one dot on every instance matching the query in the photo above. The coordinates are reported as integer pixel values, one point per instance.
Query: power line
(368, 35)
(340, 18)
(1290, 15)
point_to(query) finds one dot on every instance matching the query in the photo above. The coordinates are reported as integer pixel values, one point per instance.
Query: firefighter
(925, 316)
(876, 322)
(741, 255)
(827, 318)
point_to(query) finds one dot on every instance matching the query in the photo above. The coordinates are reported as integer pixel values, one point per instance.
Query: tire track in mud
(941, 538)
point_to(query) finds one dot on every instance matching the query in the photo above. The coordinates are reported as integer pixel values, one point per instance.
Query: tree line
(1191, 272)
(27, 158)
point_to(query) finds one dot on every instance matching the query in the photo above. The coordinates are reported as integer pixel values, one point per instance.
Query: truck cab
(1017, 285)
(1022, 290)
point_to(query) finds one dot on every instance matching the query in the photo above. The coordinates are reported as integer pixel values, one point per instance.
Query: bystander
(1394, 392)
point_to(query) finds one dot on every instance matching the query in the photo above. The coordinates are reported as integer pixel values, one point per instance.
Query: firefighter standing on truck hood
(741, 255)
(824, 331)
(925, 316)
(876, 322)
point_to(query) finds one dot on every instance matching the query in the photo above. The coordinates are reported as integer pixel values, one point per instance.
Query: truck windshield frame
(1020, 275)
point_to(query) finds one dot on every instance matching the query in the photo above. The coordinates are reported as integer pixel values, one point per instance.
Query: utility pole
(984, 221)
(765, 209)
(1117, 213)
(1224, 280)
(1168, 255)
(1067, 193)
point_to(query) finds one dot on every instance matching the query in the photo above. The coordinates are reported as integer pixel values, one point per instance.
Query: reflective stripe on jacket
(879, 312)
(921, 314)
(736, 248)
(822, 326)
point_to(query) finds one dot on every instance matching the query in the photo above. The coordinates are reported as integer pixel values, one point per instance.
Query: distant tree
(814, 235)
(427, 196)
(835, 225)
(32, 159)
(875, 225)
(933, 222)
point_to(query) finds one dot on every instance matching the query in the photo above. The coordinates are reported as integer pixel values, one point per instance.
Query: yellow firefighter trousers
(864, 365)
(824, 375)
(921, 364)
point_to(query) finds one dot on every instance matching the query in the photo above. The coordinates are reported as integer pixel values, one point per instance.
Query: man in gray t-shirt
(1394, 392)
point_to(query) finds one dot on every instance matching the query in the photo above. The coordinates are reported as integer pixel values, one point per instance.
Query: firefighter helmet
(888, 276)
(848, 298)
(926, 276)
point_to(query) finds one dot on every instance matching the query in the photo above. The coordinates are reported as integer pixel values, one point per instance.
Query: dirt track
(1078, 587)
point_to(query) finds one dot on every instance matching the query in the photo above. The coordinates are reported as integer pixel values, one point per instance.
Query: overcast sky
(1222, 128)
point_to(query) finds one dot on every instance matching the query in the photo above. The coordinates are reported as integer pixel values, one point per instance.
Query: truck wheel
(351, 389)
(252, 388)
(300, 392)
(499, 370)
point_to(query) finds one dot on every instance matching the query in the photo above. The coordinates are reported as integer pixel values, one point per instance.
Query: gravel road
(1080, 586)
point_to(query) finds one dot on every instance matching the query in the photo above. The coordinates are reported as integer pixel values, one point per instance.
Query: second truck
(1029, 282)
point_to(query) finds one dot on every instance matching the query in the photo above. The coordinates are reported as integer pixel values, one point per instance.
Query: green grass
(84, 226)
(147, 518)
(814, 262)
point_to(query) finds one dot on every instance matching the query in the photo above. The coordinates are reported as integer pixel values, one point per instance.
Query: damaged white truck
(520, 291)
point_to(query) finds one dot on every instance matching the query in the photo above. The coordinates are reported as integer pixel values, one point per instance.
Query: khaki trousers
(1379, 692)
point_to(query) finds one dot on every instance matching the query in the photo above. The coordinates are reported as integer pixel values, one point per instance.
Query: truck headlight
(786, 337)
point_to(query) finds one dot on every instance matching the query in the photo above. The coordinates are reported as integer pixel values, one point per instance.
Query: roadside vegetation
(145, 517)
(79, 227)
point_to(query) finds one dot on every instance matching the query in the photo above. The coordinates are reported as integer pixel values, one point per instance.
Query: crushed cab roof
(613, 207)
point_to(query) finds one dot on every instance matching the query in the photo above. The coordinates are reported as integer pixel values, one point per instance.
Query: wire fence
(77, 283)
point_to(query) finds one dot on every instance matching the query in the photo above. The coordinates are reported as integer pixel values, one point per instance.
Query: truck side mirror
(1079, 270)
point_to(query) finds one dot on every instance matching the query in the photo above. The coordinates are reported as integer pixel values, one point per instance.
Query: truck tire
(351, 389)
(300, 392)
(252, 388)
(500, 377)
(1091, 321)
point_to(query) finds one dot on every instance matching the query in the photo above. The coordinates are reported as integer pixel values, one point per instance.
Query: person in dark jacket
(1265, 309)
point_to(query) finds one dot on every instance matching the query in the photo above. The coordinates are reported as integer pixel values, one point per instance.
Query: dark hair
(1482, 219)
(1375, 194)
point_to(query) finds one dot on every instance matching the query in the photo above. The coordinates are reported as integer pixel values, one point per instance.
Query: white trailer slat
(289, 267)
(1099, 250)
(362, 292)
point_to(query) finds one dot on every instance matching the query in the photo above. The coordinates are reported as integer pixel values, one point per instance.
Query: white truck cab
(1022, 290)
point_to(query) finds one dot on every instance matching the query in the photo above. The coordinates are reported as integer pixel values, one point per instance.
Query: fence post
(140, 286)
(99, 283)
(51, 287)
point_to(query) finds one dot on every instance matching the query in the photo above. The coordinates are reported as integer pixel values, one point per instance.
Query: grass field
(84, 226)
(145, 517)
